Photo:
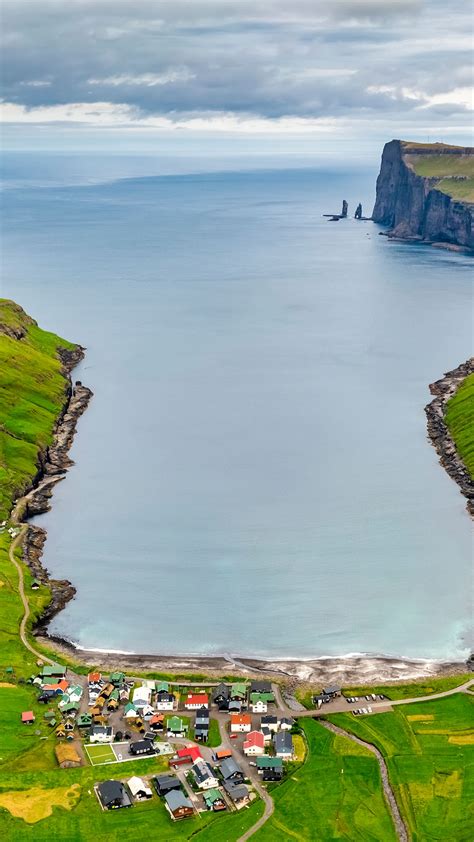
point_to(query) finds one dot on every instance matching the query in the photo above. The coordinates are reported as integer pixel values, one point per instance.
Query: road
(26, 606)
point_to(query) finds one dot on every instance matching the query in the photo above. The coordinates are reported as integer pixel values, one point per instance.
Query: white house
(141, 696)
(139, 788)
(240, 723)
(270, 722)
(130, 711)
(204, 775)
(165, 701)
(101, 734)
(259, 707)
(254, 745)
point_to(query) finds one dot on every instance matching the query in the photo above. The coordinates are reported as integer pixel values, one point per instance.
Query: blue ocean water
(253, 475)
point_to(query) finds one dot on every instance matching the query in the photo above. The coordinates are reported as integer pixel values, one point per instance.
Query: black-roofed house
(141, 747)
(166, 783)
(231, 770)
(113, 795)
(238, 793)
(204, 775)
(201, 725)
(332, 692)
(286, 723)
(283, 745)
(269, 721)
(260, 686)
(221, 694)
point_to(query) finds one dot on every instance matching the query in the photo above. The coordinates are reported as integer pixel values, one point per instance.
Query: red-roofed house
(94, 677)
(188, 754)
(254, 744)
(196, 701)
(28, 717)
(240, 722)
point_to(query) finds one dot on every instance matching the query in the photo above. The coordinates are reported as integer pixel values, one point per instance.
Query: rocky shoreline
(52, 466)
(438, 432)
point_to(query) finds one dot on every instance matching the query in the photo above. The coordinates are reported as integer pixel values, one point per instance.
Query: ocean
(253, 474)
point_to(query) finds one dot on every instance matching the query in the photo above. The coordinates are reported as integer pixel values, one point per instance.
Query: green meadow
(429, 749)
(460, 421)
(335, 794)
(455, 173)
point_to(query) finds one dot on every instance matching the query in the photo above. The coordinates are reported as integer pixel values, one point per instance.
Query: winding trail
(21, 589)
(400, 826)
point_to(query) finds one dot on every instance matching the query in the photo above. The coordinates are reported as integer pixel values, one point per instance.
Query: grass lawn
(455, 173)
(335, 794)
(460, 421)
(99, 754)
(411, 691)
(214, 738)
(429, 748)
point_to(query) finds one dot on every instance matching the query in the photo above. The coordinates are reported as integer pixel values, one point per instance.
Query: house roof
(221, 690)
(129, 707)
(53, 669)
(201, 699)
(202, 714)
(176, 799)
(283, 742)
(255, 738)
(223, 753)
(161, 685)
(240, 719)
(269, 718)
(269, 762)
(157, 717)
(229, 767)
(27, 716)
(66, 753)
(238, 689)
(110, 791)
(136, 785)
(236, 791)
(175, 723)
(189, 751)
(117, 676)
(259, 686)
(94, 677)
(212, 795)
(330, 691)
(202, 771)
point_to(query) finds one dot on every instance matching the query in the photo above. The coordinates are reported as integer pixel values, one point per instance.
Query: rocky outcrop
(62, 591)
(412, 207)
(439, 434)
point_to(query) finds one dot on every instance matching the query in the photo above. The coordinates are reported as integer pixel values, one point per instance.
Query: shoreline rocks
(438, 432)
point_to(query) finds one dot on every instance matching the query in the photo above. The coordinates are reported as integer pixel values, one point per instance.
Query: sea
(253, 475)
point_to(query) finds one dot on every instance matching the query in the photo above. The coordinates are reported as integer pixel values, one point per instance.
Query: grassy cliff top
(460, 421)
(32, 394)
(451, 166)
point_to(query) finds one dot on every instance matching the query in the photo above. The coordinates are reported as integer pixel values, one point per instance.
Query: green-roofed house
(270, 768)
(117, 678)
(69, 707)
(53, 671)
(84, 720)
(50, 714)
(262, 697)
(214, 801)
(238, 691)
(130, 711)
(162, 686)
(176, 727)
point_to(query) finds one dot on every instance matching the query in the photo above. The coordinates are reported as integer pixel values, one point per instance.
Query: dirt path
(400, 827)
(26, 605)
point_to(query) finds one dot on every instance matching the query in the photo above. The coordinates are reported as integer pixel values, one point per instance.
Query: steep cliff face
(410, 203)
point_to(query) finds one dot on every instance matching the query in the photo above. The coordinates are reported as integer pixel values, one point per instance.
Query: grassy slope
(336, 794)
(410, 691)
(433, 778)
(448, 169)
(460, 421)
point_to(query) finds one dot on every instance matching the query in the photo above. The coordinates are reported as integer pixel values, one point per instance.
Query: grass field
(429, 748)
(410, 691)
(335, 794)
(99, 754)
(460, 421)
(455, 173)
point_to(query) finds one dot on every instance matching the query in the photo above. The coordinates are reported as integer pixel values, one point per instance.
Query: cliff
(425, 192)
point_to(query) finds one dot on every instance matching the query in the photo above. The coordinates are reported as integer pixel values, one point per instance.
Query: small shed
(27, 717)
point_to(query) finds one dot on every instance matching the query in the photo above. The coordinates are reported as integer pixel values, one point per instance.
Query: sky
(239, 75)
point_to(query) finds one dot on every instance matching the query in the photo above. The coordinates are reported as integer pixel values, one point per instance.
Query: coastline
(438, 432)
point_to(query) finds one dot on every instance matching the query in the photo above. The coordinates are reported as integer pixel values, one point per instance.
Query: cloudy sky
(339, 70)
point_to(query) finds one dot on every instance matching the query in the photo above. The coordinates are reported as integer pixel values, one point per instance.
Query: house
(176, 727)
(57, 689)
(74, 694)
(269, 721)
(124, 694)
(240, 722)
(157, 722)
(68, 708)
(238, 691)
(201, 725)
(101, 734)
(60, 731)
(94, 678)
(141, 696)
(259, 706)
(166, 783)
(238, 793)
(147, 712)
(165, 701)
(67, 756)
(107, 689)
(267, 734)
(204, 774)
(49, 671)
(283, 744)
(113, 795)
(254, 744)
(149, 735)
(195, 701)
(27, 717)
(161, 687)
(214, 801)
(231, 771)
(189, 754)
(220, 695)
(262, 697)
(117, 678)
(223, 754)
(141, 747)
(139, 789)
(286, 723)
(332, 692)
(257, 685)
(84, 720)
(130, 711)
(178, 805)
(270, 768)
(234, 706)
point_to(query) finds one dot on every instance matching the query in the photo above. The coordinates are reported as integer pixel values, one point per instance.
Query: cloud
(35, 83)
(462, 98)
(147, 80)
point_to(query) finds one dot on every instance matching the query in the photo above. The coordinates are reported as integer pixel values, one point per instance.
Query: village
(221, 743)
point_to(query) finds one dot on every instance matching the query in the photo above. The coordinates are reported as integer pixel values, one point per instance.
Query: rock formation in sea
(425, 192)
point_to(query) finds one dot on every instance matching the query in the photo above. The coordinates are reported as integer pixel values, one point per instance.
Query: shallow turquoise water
(253, 474)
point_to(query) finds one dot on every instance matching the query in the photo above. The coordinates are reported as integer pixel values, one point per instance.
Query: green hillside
(460, 421)
(455, 170)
